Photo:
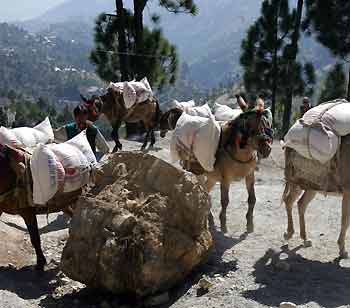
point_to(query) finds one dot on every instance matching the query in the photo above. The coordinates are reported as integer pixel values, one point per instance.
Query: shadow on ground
(26, 282)
(307, 281)
(59, 223)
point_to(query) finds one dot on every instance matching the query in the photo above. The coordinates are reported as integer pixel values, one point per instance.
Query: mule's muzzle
(265, 148)
(163, 133)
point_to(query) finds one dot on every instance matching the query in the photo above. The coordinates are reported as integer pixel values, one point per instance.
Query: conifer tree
(334, 85)
(329, 20)
(265, 57)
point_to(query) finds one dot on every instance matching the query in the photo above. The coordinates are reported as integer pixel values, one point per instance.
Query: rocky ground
(254, 270)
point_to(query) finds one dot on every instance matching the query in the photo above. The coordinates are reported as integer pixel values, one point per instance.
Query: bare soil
(240, 269)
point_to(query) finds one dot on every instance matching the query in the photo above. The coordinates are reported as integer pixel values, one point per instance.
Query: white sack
(321, 145)
(225, 113)
(199, 135)
(136, 92)
(176, 104)
(47, 173)
(76, 166)
(336, 118)
(26, 136)
(80, 142)
(199, 111)
(66, 165)
(7, 137)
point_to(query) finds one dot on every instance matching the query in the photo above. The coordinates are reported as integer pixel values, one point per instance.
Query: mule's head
(255, 130)
(94, 105)
(168, 120)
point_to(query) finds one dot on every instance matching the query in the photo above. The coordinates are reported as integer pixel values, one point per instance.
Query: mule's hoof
(143, 148)
(40, 267)
(223, 229)
(307, 243)
(115, 149)
(343, 255)
(287, 236)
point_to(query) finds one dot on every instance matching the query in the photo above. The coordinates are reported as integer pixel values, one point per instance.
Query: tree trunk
(348, 93)
(122, 46)
(274, 68)
(139, 6)
(291, 59)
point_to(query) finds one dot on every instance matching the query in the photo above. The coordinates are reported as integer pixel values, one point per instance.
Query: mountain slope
(209, 42)
(42, 66)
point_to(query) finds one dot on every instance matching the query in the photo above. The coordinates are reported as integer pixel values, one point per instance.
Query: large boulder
(141, 230)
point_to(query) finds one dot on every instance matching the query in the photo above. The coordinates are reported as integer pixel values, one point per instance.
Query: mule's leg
(225, 189)
(292, 192)
(344, 224)
(208, 183)
(115, 137)
(32, 226)
(153, 138)
(249, 182)
(146, 140)
(303, 202)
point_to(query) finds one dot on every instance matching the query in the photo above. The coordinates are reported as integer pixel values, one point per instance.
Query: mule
(15, 188)
(112, 105)
(335, 180)
(236, 157)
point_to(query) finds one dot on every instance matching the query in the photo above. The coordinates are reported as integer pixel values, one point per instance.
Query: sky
(18, 10)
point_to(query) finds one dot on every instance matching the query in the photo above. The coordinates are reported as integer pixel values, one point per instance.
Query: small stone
(157, 300)
(205, 284)
(287, 305)
(283, 266)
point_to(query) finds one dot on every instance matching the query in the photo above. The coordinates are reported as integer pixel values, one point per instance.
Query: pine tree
(334, 85)
(159, 58)
(265, 60)
(290, 53)
(329, 20)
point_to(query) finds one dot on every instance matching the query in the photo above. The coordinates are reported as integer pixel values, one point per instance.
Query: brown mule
(236, 156)
(113, 107)
(15, 197)
(303, 189)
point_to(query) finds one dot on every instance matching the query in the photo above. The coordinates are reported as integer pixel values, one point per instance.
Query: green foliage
(329, 21)
(266, 56)
(334, 85)
(158, 56)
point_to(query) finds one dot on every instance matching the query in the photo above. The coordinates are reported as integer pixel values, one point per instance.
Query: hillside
(209, 42)
(43, 65)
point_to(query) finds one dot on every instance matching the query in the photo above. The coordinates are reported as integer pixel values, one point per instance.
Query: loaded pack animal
(307, 177)
(236, 156)
(15, 196)
(112, 105)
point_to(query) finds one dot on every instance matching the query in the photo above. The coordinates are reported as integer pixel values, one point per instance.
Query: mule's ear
(83, 98)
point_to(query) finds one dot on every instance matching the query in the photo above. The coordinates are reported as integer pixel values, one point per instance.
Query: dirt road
(239, 268)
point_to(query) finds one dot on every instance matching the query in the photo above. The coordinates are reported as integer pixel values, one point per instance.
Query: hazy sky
(24, 9)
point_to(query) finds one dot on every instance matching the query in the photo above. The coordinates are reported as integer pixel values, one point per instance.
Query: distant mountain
(43, 65)
(209, 42)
